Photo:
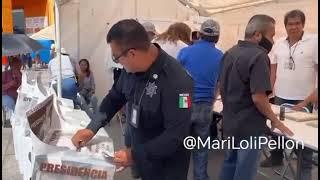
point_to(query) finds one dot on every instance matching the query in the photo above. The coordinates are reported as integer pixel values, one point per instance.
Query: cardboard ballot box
(55, 157)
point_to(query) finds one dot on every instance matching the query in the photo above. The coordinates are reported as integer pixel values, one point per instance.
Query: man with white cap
(151, 29)
(69, 87)
(202, 61)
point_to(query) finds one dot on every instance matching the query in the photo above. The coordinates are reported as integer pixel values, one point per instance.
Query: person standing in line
(151, 30)
(244, 85)
(69, 88)
(174, 39)
(202, 61)
(294, 67)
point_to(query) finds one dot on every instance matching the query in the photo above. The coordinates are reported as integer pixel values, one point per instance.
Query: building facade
(21, 16)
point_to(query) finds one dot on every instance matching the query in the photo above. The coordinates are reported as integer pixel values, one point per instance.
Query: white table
(302, 132)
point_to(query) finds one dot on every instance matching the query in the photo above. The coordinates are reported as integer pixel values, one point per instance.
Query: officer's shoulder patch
(184, 101)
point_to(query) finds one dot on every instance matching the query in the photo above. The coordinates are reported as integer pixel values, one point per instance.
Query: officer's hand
(279, 125)
(82, 137)
(119, 168)
(123, 157)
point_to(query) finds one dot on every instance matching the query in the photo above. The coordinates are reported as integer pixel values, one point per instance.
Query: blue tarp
(45, 52)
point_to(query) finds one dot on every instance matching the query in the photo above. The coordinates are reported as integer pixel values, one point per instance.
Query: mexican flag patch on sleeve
(184, 101)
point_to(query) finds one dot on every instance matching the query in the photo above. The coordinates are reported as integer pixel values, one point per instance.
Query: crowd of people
(76, 79)
(11, 76)
(167, 83)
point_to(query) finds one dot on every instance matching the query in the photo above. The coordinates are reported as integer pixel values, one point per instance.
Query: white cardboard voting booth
(55, 157)
(43, 126)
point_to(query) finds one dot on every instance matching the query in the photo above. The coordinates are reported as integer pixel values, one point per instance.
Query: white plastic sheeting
(38, 116)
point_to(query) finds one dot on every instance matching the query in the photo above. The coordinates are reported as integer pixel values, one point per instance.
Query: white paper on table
(301, 116)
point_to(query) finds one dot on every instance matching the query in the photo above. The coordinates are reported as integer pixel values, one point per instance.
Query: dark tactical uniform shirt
(244, 71)
(157, 136)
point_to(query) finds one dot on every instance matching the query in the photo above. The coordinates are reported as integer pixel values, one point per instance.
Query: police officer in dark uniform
(158, 92)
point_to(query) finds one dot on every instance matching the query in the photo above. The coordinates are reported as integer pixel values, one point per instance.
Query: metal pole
(135, 9)
(78, 31)
(58, 46)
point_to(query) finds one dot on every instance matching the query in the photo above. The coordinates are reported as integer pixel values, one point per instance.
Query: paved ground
(10, 166)
(10, 169)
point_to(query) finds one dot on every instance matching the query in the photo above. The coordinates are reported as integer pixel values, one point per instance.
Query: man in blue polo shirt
(202, 60)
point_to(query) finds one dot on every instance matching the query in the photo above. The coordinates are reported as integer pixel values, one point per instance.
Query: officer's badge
(151, 89)
(155, 76)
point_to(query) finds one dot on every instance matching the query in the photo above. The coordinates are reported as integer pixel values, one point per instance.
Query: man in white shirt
(69, 86)
(294, 65)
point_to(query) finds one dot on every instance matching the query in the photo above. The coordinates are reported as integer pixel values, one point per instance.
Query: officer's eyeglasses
(116, 59)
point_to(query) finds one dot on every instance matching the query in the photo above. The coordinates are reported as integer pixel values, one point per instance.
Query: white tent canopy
(210, 7)
(47, 33)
